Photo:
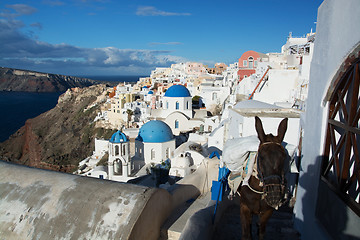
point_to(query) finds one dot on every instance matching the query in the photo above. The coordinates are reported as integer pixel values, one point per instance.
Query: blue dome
(144, 87)
(155, 131)
(150, 92)
(118, 137)
(177, 91)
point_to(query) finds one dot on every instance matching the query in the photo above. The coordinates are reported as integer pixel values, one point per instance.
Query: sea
(17, 107)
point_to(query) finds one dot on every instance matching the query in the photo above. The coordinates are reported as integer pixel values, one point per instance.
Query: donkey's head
(269, 137)
(270, 162)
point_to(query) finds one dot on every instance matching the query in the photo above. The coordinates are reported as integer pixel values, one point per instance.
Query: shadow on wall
(325, 215)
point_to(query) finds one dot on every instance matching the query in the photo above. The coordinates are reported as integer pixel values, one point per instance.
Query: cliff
(61, 137)
(29, 81)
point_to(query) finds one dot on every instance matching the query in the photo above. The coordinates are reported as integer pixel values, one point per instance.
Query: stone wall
(41, 204)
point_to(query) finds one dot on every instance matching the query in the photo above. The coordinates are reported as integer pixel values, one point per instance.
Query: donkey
(266, 188)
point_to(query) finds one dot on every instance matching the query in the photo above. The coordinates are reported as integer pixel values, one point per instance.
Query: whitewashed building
(155, 143)
(119, 163)
(240, 122)
(118, 168)
(187, 158)
(283, 78)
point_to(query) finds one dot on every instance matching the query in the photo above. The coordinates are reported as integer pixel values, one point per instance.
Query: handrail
(252, 94)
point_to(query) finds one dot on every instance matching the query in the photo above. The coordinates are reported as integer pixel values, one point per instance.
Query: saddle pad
(236, 152)
(236, 178)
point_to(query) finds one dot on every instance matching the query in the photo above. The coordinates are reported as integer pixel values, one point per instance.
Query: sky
(118, 37)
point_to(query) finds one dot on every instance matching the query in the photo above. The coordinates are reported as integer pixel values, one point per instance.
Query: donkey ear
(282, 129)
(259, 129)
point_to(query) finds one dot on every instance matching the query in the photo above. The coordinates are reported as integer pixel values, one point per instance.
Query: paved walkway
(279, 226)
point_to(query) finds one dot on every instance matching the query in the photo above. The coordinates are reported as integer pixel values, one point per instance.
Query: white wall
(101, 146)
(207, 94)
(160, 151)
(183, 122)
(217, 138)
(185, 105)
(241, 126)
(235, 125)
(279, 86)
(337, 35)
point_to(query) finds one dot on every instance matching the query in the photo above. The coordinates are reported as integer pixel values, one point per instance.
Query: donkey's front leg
(263, 218)
(246, 219)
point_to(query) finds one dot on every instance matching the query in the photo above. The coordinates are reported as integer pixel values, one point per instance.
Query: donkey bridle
(270, 187)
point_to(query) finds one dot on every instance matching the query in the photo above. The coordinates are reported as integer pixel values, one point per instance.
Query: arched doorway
(339, 187)
(118, 167)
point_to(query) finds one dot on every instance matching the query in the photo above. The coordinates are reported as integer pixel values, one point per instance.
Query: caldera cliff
(61, 137)
(30, 81)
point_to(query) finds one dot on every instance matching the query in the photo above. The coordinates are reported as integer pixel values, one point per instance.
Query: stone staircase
(279, 226)
(227, 224)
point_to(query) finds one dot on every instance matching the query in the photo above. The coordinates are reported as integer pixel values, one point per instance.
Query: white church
(154, 144)
(119, 167)
(119, 164)
(176, 110)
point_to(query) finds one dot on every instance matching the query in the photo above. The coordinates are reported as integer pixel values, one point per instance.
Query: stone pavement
(279, 226)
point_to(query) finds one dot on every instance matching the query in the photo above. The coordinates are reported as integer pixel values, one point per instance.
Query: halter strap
(255, 191)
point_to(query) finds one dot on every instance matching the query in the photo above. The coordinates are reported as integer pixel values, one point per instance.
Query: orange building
(248, 63)
(218, 69)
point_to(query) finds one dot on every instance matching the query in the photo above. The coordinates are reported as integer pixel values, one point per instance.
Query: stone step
(175, 224)
(279, 226)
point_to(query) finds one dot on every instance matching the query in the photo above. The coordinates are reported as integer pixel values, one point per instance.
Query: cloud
(165, 43)
(152, 11)
(53, 2)
(22, 9)
(18, 50)
(16, 10)
(36, 25)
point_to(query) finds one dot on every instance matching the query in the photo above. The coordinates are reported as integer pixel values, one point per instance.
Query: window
(245, 63)
(251, 62)
(167, 154)
(176, 124)
(255, 63)
(116, 150)
(214, 96)
(187, 105)
(167, 105)
(152, 154)
(201, 128)
(123, 150)
(177, 105)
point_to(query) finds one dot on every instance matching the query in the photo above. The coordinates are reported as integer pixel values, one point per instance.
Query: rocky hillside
(63, 136)
(29, 81)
